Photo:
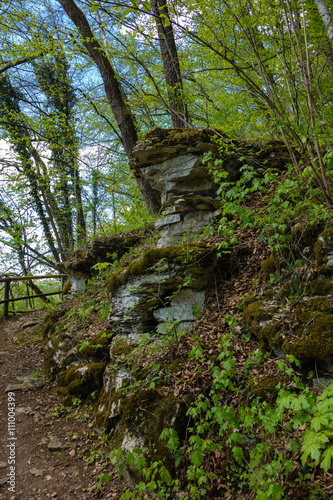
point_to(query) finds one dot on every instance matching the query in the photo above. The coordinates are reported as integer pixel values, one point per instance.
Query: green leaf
(319, 421)
(327, 457)
(197, 458)
(95, 7)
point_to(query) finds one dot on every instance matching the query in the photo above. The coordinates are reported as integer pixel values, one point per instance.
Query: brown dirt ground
(71, 470)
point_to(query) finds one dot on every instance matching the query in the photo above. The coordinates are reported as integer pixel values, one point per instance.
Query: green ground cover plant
(266, 443)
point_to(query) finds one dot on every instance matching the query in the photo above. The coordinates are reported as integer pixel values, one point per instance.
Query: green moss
(271, 334)
(322, 304)
(102, 414)
(82, 383)
(176, 136)
(254, 314)
(320, 287)
(324, 271)
(313, 307)
(268, 267)
(325, 240)
(73, 373)
(67, 286)
(173, 366)
(286, 291)
(121, 348)
(264, 388)
(147, 412)
(315, 340)
(194, 256)
(50, 321)
(98, 346)
(306, 235)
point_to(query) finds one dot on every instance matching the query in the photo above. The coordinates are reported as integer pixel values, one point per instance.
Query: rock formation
(161, 292)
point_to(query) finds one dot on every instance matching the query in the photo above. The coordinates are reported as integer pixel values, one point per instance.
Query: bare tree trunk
(326, 18)
(120, 109)
(81, 232)
(172, 74)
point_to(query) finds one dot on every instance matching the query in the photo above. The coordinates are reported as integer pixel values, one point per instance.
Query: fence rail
(7, 282)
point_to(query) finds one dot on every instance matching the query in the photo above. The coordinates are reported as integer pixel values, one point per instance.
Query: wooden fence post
(6, 303)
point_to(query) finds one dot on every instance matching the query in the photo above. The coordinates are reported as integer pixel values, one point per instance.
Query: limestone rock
(146, 285)
(55, 444)
(185, 308)
(311, 338)
(103, 249)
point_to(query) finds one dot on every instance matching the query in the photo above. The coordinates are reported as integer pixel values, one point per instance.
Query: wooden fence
(9, 280)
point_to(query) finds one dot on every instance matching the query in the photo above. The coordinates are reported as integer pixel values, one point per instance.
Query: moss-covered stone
(313, 307)
(320, 287)
(194, 257)
(67, 286)
(147, 412)
(268, 267)
(306, 235)
(100, 250)
(309, 338)
(272, 334)
(81, 380)
(98, 346)
(264, 388)
(176, 136)
(322, 247)
(255, 315)
(121, 348)
(315, 340)
(51, 319)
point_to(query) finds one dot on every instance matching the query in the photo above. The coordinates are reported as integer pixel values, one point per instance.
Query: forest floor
(53, 449)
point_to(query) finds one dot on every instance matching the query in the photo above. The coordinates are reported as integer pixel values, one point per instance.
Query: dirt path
(46, 451)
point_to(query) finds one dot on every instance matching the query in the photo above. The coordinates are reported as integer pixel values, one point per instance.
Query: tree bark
(120, 109)
(326, 18)
(172, 74)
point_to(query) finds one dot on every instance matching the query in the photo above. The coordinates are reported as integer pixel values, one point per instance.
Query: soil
(55, 451)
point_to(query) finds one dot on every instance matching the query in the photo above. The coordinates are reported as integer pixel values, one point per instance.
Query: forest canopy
(82, 81)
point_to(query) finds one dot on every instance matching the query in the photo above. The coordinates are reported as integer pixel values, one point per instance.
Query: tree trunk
(114, 94)
(326, 18)
(170, 60)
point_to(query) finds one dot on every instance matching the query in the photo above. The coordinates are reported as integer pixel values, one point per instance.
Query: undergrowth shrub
(264, 445)
(287, 198)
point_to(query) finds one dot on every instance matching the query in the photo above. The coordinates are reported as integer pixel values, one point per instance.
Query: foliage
(246, 432)
(288, 199)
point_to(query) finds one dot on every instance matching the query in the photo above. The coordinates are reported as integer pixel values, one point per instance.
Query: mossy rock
(197, 259)
(306, 235)
(320, 287)
(323, 246)
(98, 346)
(67, 287)
(49, 322)
(268, 267)
(256, 314)
(264, 388)
(315, 340)
(81, 380)
(272, 335)
(100, 250)
(183, 136)
(147, 412)
(121, 348)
